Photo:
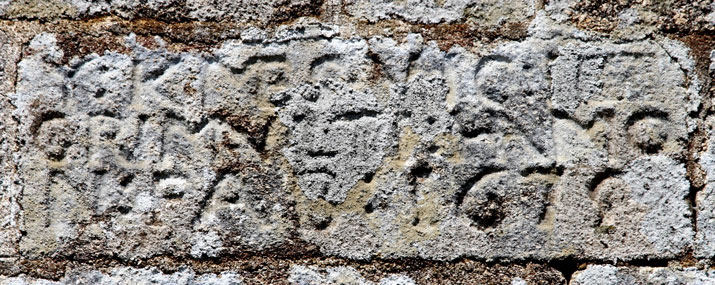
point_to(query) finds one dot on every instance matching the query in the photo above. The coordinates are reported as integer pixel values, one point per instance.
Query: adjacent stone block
(260, 12)
(609, 274)
(129, 275)
(486, 12)
(466, 272)
(339, 275)
(686, 16)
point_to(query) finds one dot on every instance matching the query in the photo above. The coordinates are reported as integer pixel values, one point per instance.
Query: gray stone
(609, 274)
(705, 237)
(365, 147)
(110, 138)
(628, 122)
(356, 142)
(339, 136)
(473, 175)
(302, 275)
(685, 16)
(261, 12)
(489, 13)
(129, 275)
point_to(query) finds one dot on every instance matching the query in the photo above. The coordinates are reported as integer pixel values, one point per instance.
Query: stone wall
(357, 142)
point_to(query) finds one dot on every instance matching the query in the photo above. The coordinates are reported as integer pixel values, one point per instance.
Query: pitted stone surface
(696, 15)
(609, 274)
(129, 275)
(486, 12)
(490, 13)
(532, 149)
(301, 275)
(190, 135)
(112, 139)
(705, 201)
(463, 272)
(202, 10)
(338, 137)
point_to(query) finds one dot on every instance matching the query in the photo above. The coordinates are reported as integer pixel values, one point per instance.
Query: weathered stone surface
(678, 15)
(129, 275)
(534, 149)
(486, 12)
(473, 190)
(671, 15)
(190, 135)
(609, 274)
(491, 13)
(705, 201)
(464, 272)
(260, 12)
(112, 141)
(339, 275)
(459, 273)
(11, 37)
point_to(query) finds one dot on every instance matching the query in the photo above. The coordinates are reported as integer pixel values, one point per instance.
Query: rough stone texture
(339, 275)
(492, 12)
(190, 135)
(300, 274)
(129, 275)
(203, 10)
(609, 274)
(153, 152)
(698, 16)
(489, 13)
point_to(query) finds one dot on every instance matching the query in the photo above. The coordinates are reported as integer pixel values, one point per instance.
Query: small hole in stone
(552, 54)
(100, 93)
(368, 177)
(56, 155)
(109, 135)
(423, 170)
(124, 209)
(415, 221)
(433, 149)
(369, 208)
(298, 118)
(431, 120)
(322, 225)
(126, 180)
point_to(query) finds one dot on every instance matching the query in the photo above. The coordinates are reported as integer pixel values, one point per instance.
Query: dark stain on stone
(255, 129)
